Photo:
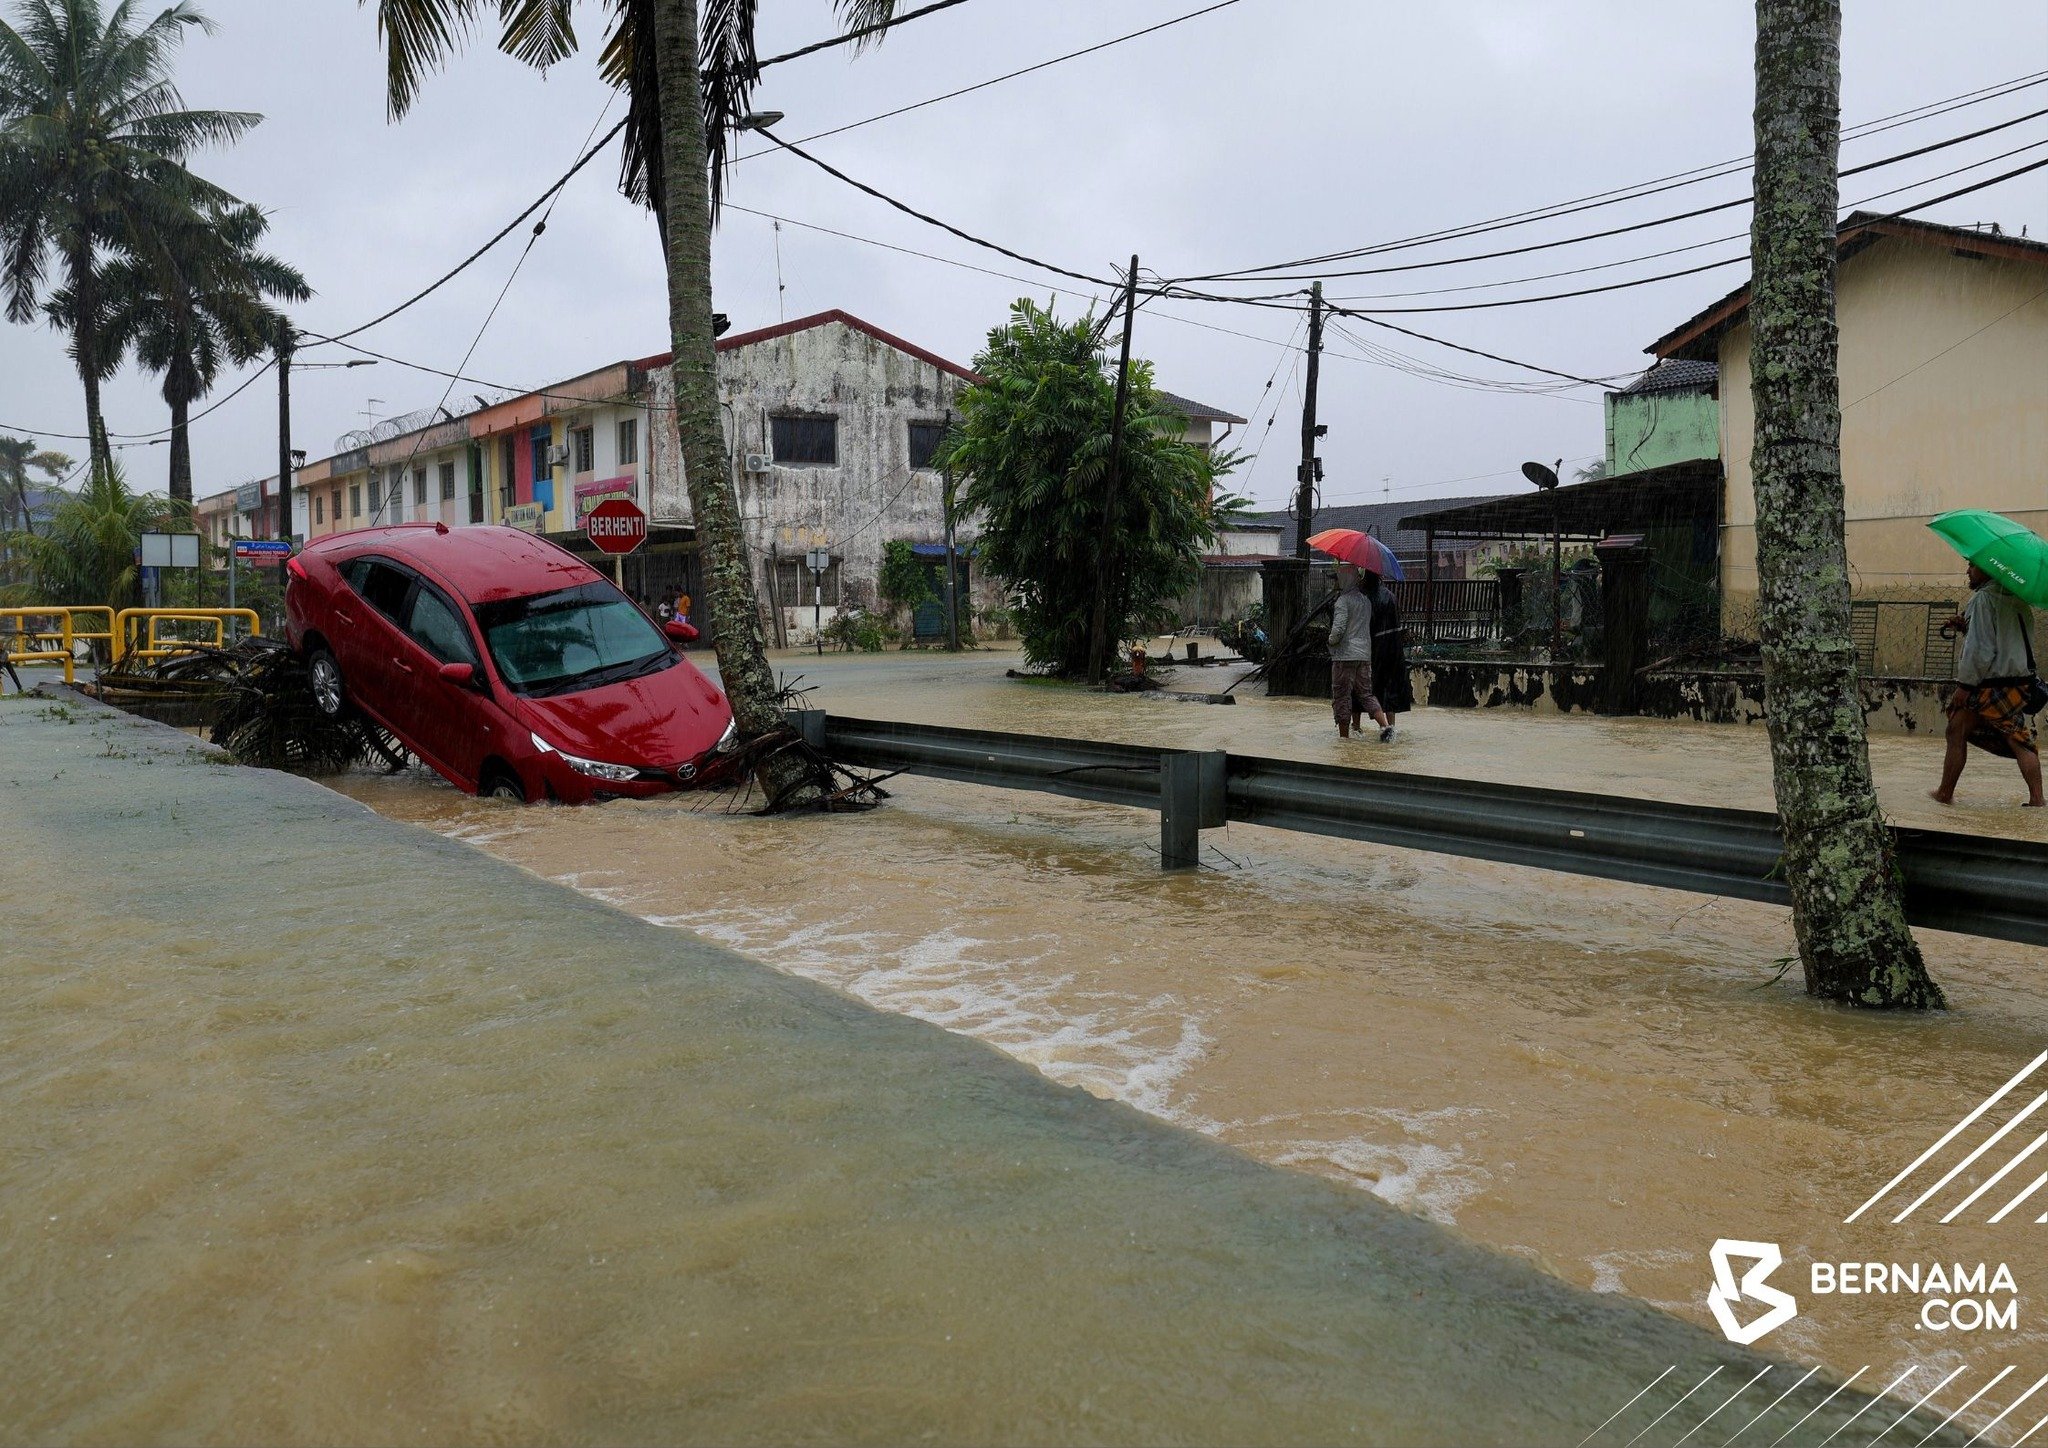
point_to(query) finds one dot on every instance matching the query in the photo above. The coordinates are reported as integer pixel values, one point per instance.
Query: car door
(369, 633)
(449, 723)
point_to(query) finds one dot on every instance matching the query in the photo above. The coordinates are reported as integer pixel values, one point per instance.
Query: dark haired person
(1994, 676)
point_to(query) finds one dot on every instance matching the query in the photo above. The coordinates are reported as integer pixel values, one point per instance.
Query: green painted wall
(1651, 429)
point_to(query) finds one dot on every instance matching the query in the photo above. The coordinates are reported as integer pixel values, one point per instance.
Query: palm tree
(87, 553)
(1847, 907)
(208, 304)
(19, 456)
(687, 88)
(93, 143)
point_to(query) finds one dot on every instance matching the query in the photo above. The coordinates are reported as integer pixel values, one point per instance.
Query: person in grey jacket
(1994, 675)
(1351, 695)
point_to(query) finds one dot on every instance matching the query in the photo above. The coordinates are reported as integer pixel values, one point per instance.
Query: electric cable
(853, 36)
(1639, 190)
(992, 80)
(1276, 274)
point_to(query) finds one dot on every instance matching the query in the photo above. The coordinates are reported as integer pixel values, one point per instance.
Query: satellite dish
(1540, 475)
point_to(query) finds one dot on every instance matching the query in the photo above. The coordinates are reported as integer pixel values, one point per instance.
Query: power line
(833, 171)
(1274, 273)
(1694, 246)
(148, 439)
(853, 36)
(1653, 187)
(992, 80)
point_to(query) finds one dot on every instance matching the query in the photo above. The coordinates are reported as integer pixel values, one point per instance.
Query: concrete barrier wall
(1890, 706)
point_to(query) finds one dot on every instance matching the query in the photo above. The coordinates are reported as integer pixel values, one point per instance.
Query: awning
(1628, 503)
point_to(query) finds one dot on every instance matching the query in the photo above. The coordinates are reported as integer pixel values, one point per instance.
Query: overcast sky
(1269, 130)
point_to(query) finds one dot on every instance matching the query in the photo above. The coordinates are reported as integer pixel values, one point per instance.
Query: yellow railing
(154, 645)
(51, 635)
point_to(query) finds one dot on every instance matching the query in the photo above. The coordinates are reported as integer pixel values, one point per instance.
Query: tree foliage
(87, 553)
(20, 456)
(93, 144)
(1033, 441)
(904, 581)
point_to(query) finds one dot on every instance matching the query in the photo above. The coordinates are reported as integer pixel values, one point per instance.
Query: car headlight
(729, 740)
(595, 768)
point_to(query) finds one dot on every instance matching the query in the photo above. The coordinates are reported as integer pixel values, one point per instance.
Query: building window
(447, 481)
(419, 487)
(376, 493)
(334, 505)
(355, 500)
(583, 448)
(805, 440)
(925, 438)
(508, 473)
(629, 441)
(319, 510)
(795, 588)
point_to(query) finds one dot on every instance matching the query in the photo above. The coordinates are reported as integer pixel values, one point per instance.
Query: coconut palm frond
(730, 67)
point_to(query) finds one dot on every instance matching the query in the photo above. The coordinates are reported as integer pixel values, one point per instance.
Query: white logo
(1726, 1291)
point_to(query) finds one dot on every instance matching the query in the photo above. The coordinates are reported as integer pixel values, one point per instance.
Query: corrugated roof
(1195, 411)
(1382, 520)
(1676, 374)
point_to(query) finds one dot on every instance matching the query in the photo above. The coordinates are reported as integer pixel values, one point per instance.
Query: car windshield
(578, 638)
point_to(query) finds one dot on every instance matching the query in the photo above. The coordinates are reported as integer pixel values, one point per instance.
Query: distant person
(1351, 695)
(683, 602)
(666, 609)
(1994, 676)
(1391, 685)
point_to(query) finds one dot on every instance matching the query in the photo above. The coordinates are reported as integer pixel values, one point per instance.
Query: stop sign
(616, 526)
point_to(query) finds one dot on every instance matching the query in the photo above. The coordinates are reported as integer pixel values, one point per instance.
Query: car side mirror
(460, 675)
(681, 632)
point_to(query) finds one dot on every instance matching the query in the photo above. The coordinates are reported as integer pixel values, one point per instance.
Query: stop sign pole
(618, 527)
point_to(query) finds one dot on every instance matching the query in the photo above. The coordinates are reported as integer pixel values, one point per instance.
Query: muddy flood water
(318, 1128)
(1601, 1079)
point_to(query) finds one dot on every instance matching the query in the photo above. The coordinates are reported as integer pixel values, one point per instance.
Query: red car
(506, 663)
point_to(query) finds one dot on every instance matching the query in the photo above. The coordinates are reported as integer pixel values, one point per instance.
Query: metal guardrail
(22, 642)
(1974, 886)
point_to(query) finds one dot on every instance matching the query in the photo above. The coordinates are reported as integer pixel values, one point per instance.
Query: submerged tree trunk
(714, 504)
(1847, 905)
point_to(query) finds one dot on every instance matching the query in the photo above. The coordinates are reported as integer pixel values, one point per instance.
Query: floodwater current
(1599, 1078)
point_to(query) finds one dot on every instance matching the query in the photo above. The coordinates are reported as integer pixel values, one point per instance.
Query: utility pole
(952, 555)
(284, 446)
(1311, 470)
(1099, 647)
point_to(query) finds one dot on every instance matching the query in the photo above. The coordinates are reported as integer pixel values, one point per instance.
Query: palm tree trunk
(1847, 907)
(181, 460)
(714, 505)
(86, 343)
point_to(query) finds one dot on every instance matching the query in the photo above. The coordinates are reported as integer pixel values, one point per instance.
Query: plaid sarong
(2002, 724)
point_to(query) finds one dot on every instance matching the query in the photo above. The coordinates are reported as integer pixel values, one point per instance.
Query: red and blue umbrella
(1348, 545)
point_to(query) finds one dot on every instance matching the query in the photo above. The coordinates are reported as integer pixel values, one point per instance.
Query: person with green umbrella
(1995, 666)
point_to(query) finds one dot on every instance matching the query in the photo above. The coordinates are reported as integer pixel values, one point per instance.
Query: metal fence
(1450, 610)
(1902, 640)
(1996, 888)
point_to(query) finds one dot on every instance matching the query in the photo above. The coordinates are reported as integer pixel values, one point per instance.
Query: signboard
(616, 526)
(170, 550)
(527, 516)
(249, 498)
(263, 552)
(589, 495)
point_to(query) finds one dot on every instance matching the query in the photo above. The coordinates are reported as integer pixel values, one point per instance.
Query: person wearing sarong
(1351, 696)
(1994, 676)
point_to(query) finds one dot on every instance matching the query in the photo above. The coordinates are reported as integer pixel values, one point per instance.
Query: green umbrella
(2010, 552)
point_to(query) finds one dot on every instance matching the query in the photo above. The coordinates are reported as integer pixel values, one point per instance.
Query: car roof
(483, 563)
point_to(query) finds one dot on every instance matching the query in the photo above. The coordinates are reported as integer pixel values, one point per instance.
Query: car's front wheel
(503, 785)
(329, 697)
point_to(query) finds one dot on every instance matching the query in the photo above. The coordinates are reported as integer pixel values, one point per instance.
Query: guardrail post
(810, 723)
(1190, 801)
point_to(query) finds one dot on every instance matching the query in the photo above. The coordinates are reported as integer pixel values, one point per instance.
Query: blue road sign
(261, 548)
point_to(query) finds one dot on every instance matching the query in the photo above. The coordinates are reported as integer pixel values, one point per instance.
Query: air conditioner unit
(759, 462)
(558, 454)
